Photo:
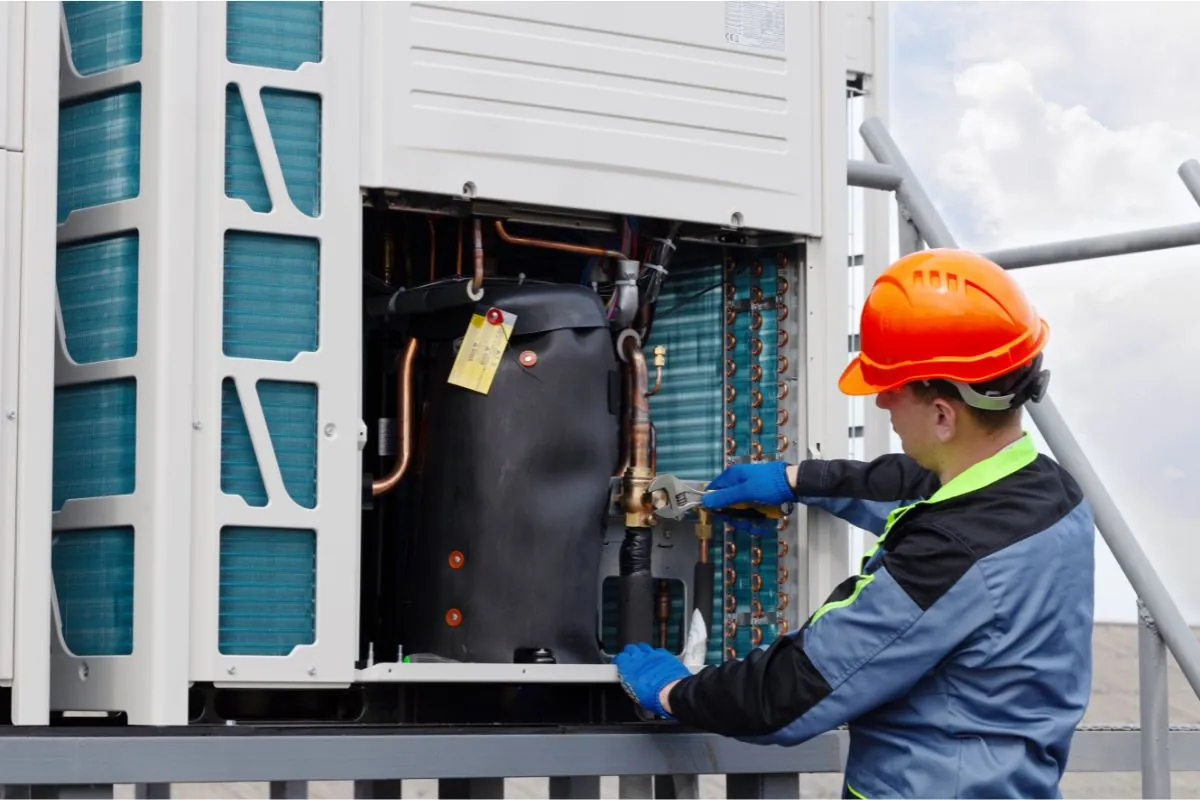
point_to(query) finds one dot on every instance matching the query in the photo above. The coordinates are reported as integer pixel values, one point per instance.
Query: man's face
(921, 424)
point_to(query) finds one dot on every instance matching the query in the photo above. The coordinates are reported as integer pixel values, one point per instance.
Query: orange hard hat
(945, 314)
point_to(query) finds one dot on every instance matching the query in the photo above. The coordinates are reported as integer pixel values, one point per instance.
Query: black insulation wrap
(514, 484)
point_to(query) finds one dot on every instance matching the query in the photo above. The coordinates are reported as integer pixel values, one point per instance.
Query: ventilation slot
(103, 35)
(93, 579)
(268, 591)
(99, 150)
(98, 294)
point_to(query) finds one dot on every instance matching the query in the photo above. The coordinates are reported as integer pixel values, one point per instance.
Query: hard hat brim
(854, 383)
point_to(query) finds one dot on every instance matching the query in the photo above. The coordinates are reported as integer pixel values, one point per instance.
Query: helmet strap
(1031, 387)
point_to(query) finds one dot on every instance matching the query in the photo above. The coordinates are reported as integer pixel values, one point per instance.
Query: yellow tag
(482, 348)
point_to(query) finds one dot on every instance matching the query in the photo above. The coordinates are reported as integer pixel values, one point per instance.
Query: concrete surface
(1114, 701)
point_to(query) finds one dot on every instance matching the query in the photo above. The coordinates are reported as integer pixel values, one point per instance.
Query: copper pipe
(639, 471)
(432, 250)
(660, 361)
(404, 429)
(476, 285)
(563, 246)
(458, 265)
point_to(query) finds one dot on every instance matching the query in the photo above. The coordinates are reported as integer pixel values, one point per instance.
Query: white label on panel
(760, 25)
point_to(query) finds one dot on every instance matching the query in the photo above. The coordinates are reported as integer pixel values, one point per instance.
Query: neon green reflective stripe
(854, 792)
(859, 585)
(1013, 458)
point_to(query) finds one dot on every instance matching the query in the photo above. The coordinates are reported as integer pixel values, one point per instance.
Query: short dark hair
(989, 420)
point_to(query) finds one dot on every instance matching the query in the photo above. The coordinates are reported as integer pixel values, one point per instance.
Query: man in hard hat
(960, 656)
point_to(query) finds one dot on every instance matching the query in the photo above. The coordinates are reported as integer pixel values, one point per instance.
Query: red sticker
(494, 316)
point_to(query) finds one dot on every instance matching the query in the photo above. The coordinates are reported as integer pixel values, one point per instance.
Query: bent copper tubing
(549, 245)
(476, 284)
(404, 426)
(639, 408)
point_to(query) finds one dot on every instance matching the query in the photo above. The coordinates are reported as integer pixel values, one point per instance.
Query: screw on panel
(232, 670)
(196, 424)
(330, 430)
(312, 672)
(12, 413)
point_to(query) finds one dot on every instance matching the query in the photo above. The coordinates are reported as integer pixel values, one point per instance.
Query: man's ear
(945, 419)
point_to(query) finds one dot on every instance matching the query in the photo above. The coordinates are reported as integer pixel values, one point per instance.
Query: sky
(1038, 122)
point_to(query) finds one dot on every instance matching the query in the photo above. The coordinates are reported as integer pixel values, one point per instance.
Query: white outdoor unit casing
(703, 112)
(28, 154)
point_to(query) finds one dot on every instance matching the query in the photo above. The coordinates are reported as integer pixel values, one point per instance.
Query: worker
(960, 656)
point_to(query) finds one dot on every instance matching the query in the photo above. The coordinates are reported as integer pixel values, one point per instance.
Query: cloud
(1026, 126)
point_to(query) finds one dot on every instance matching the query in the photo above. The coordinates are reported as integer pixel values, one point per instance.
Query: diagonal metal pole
(1113, 527)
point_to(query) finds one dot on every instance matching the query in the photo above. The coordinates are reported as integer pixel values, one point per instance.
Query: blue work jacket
(961, 655)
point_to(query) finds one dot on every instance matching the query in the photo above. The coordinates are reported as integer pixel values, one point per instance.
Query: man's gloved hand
(645, 672)
(764, 482)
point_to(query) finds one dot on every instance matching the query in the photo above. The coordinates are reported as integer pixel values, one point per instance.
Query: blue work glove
(645, 671)
(764, 482)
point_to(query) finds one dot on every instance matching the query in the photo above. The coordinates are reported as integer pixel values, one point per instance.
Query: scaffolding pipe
(1113, 527)
(1155, 708)
(872, 175)
(1189, 172)
(1111, 244)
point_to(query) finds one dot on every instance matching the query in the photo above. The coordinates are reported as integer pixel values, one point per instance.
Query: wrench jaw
(671, 498)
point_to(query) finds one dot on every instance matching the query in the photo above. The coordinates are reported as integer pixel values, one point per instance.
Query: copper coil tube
(783, 364)
(781, 417)
(730, 341)
(756, 372)
(756, 582)
(730, 550)
(782, 603)
(781, 286)
(730, 368)
(782, 390)
(783, 626)
(730, 420)
(730, 394)
(756, 398)
(781, 441)
(756, 425)
(730, 576)
(783, 543)
(756, 346)
(755, 319)
(730, 316)
(783, 338)
(783, 575)
(730, 629)
(730, 291)
(756, 451)
(730, 445)
(730, 604)
(756, 294)
(781, 311)
(756, 555)
(755, 636)
(404, 380)
(755, 608)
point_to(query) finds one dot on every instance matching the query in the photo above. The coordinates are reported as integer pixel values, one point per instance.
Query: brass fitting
(636, 500)
(704, 533)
